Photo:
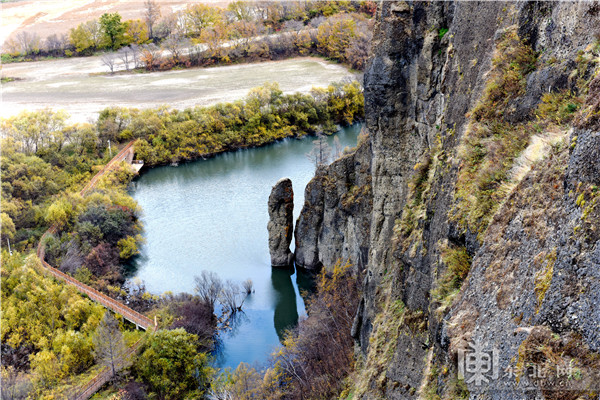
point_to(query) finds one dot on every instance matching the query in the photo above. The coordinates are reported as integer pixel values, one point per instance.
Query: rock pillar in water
(281, 223)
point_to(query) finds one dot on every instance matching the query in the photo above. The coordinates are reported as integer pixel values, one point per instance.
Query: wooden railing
(133, 316)
(105, 374)
(122, 155)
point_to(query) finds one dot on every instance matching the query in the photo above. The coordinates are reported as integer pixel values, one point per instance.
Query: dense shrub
(172, 367)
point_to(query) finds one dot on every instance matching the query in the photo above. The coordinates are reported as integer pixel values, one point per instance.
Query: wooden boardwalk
(140, 320)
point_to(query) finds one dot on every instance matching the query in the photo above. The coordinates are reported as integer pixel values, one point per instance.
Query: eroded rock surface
(335, 221)
(281, 223)
(532, 270)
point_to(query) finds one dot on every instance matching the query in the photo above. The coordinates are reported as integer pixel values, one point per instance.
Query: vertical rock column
(281, 223)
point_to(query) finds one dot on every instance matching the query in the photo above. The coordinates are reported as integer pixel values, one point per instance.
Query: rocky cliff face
(483, 147)
(281, 223)
(335, 220)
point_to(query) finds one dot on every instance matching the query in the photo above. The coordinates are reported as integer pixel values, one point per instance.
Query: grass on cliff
(490, 143)
(458, 263)
(408, 229)
(563, 364)
(391, 322)
(496, 153)
(455, 388)
(543, 277)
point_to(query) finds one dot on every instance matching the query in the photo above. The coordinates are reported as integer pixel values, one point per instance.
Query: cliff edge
(476, 188)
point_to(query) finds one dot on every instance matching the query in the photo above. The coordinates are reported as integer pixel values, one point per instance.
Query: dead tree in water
(320, 153)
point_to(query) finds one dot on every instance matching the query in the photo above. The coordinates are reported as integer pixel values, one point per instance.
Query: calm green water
(212, 215)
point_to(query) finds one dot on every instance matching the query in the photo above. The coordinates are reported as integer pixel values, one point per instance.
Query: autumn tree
(245, 32)
(135, 32)
(175, 45)
(318, 355)
(294, 10)
(359, 48)
(170, 24)
(293, 26)
(16, 385)
(109, 59)
(172, 366)
(150, 56)
(196, 317)
(7, 226)
(336, 149)
(200, 16)
(86, 37)
(334, 35)
(46, 368)
(109, 345)
(247, 285)
(304, 42)
(113, 30)
(55, 44)
(126, 56)
(44, 321)
(270, 12)
(240, 11)
(34, 130)
(112, 121)
(28, 42)
(208, 286)
(243, 383)
(59, 212)
(214, 38)
(135, 55)
(230, 297)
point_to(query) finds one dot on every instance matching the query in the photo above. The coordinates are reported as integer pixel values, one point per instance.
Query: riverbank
(265, 115)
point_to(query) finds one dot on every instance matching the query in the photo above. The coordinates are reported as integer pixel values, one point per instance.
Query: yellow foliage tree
(136, 31)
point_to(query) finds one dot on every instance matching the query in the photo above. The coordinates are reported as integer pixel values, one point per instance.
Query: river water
(212, 215)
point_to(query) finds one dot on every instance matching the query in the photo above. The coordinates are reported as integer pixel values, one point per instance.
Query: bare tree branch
(151, 15)
(109, 59)
(109, 346)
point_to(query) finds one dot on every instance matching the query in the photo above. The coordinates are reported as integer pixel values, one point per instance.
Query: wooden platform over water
(137, 165)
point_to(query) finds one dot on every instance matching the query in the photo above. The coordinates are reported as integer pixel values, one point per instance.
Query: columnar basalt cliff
(281, 223)
(480, 222)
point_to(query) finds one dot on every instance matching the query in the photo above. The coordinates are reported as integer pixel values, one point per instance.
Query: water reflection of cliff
(286, 311)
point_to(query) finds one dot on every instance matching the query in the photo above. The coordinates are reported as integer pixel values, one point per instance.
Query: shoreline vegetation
(45, 162)
(203, 35)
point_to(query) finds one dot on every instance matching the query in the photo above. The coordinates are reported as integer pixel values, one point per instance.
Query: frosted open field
(45, 17)
(77, 86)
